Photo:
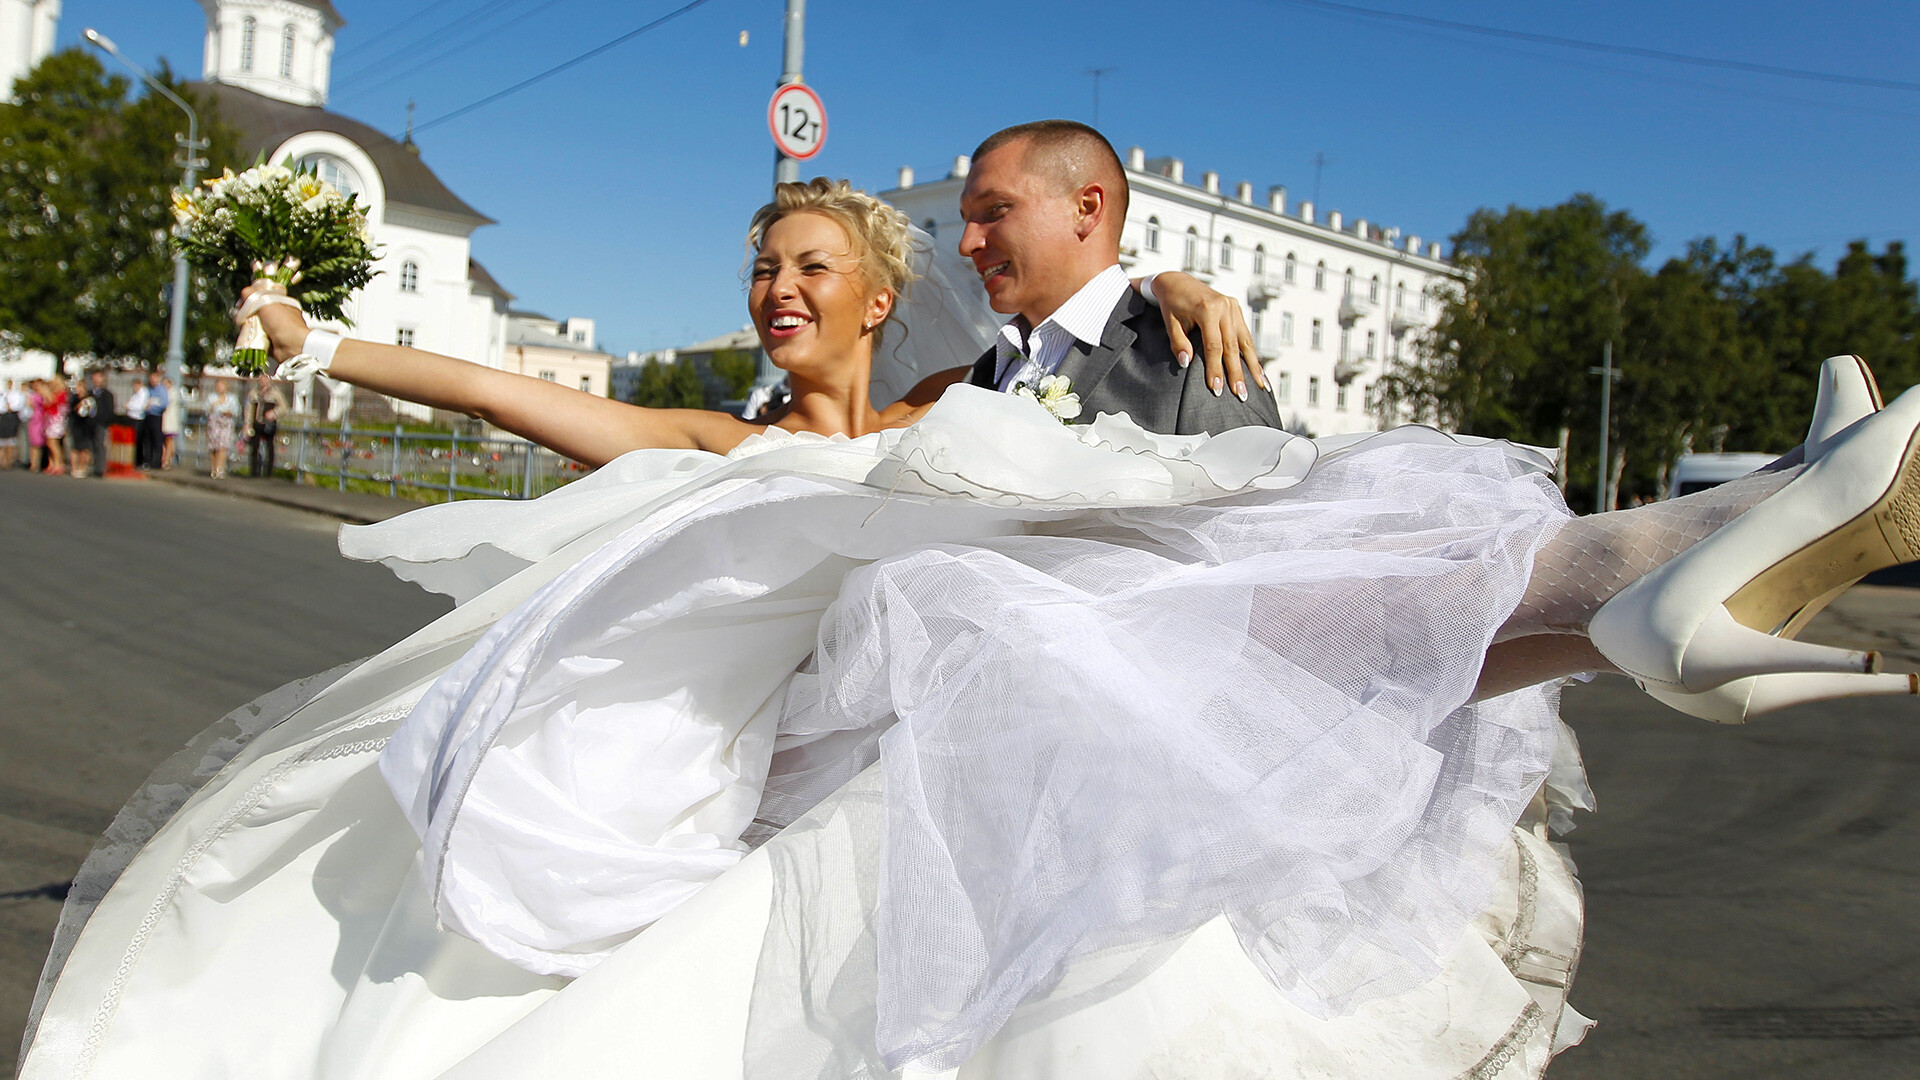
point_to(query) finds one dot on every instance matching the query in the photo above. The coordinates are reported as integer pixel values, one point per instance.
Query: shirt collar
(1084, 314)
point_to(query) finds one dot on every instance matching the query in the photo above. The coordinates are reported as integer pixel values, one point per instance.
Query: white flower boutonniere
(1055, 394)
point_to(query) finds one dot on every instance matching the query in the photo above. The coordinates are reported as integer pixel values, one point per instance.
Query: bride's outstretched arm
(592, 430)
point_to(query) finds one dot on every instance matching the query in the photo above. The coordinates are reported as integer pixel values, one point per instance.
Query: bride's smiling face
(809, 300)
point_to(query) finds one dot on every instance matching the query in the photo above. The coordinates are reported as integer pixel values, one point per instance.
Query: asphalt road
(1751, 891)
(132, 615)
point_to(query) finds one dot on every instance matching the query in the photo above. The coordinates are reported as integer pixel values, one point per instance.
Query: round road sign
(798, 121)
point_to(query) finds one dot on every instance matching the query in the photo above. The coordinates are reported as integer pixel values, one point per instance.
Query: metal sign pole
(785, 169)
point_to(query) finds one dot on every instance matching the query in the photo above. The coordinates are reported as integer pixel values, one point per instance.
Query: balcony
(1265, 287)
(1405, 319)
(1199, 266)
(1268, 344)
(1348, 370)
(1355, 306)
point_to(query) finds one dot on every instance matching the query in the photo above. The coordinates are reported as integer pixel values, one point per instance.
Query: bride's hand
(285, 325)
(1227, 346)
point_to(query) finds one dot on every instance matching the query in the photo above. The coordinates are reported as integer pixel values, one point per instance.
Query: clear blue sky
(622, 186)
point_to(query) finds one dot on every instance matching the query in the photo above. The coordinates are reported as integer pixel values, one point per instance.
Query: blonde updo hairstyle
(879, 233)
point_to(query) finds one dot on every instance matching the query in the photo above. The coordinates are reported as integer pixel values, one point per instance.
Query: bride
(941, 739)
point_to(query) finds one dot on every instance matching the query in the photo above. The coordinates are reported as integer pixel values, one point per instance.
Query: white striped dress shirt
(1083, 318)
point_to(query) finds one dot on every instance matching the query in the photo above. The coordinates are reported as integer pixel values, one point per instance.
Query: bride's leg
(1593, 558)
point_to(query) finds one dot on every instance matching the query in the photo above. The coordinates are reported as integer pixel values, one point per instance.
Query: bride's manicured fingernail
(1185, 358)
(1240, 390)
(1218, 383)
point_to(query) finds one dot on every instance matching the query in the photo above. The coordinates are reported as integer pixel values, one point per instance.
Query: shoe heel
(1742, 699)
(1723, 650)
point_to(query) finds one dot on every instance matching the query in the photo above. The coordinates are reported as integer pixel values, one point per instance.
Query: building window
(1226, 253)
(1291, 267)
(1371, 339)
(331, 170)
(1346, 288)
(286, 52)
(586, 384)
(1400, 297)
(247, 28)
(1340, 397)
(1153, 234)
(1319, 334)
(1193, 249)
(1346, 338)
(1313, 392)
(403, 337)
(550, 376)
(1286, 328)
(1373, 290)
(1423, 303)
(1282, 386)
(410, 276)
(1260, 258)
(579, 337)
(1320, 276)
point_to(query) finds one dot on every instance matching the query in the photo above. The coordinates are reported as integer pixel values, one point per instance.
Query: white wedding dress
(987, 747)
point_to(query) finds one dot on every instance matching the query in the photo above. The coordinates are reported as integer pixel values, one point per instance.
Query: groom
(1044, 205)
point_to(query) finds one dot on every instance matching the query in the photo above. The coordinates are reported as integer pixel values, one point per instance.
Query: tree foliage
(734, 369)
(670, 386)
(86, 177)
(1717, 349)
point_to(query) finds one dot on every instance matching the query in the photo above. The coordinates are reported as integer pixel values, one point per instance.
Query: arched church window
(247, 28)
(286, 52)
(410, 276)
(332, 170)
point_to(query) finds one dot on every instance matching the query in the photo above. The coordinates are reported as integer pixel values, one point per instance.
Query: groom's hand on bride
(1226, 345)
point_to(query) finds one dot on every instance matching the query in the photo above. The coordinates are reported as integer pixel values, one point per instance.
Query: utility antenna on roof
(408, 141)
(1320, 162)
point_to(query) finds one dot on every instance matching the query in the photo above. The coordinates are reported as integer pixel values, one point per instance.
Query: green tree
(734, 368)
(670, 386)
(88, 177)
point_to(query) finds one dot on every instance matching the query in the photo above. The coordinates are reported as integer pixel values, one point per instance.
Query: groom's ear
(1090, 207)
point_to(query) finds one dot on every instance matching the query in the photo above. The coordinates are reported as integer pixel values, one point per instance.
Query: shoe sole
(1886, 534)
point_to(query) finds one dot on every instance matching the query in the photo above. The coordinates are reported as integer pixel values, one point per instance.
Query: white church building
(267, 68)
(1332, 301)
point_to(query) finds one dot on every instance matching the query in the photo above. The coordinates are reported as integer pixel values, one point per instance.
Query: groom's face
(1019, 233)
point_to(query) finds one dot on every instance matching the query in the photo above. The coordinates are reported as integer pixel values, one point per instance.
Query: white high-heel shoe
(1847, 394)
(1715, 613)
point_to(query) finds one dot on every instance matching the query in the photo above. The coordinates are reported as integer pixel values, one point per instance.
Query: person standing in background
(170, 424)
(54, 399)
(264, 404)
(152, 441)
(80, 428)
(223, 413)
(102, 398)
(11, 402)
(137, 412)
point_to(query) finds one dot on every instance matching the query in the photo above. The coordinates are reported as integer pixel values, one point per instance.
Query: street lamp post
(191, 166)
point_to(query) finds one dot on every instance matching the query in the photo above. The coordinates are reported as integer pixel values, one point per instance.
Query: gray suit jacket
(1133, 371)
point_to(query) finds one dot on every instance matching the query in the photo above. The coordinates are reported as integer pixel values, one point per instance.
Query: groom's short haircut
(1070, 152)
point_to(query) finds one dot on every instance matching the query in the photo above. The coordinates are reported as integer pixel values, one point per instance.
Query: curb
(353, 508)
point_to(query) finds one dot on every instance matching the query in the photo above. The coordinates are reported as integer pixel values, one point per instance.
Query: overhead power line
(460, 46)
(408, 21)
(560, 67)
(425, 40)
(1604, 47)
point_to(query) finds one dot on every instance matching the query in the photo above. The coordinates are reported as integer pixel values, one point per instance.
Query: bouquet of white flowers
(274, 223)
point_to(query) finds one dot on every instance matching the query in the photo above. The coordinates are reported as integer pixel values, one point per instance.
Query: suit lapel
(1085, 367)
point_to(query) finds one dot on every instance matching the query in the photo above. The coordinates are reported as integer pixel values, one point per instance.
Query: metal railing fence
(419, 464)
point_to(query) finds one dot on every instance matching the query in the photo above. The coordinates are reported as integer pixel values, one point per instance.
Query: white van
(1698, 472)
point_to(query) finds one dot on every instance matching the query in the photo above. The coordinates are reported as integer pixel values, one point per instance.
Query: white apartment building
(26, 37)
(1332, 301)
